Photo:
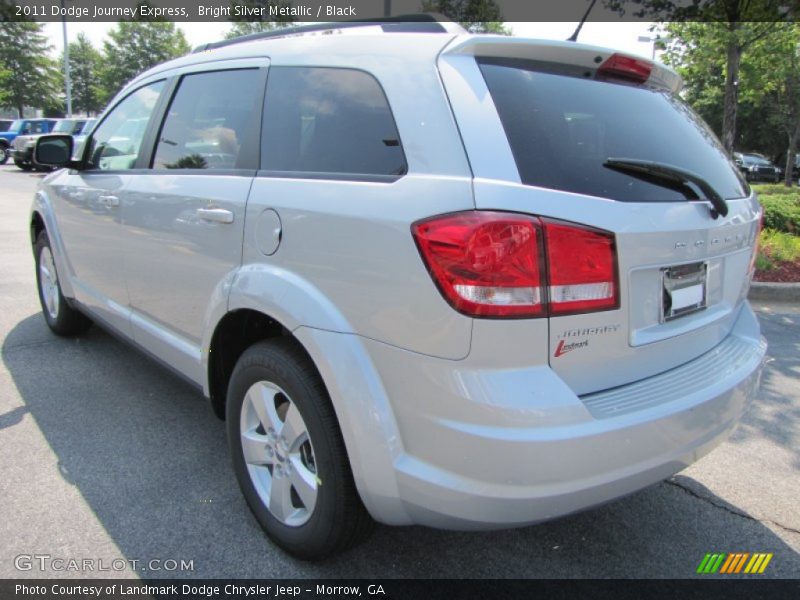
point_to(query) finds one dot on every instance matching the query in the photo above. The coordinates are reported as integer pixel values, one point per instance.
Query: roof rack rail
(412, 23)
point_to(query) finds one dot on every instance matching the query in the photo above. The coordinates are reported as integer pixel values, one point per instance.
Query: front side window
(38, 127)
(117, 141)
(210, 121)
(329, 121)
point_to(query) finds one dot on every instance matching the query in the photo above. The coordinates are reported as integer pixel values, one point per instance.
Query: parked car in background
(23, 145)
(462, 281)
(80, 137)
(22, 127)
(5, 124)
(757, 168)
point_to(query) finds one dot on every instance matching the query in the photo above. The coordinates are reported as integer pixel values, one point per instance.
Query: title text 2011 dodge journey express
(426, 277)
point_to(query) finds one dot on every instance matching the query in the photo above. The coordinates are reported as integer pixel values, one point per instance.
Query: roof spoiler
(553, 51)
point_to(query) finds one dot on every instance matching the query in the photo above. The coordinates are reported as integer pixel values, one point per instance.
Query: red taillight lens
(492, 264)
(627, 68)
(487, 264)
(582, 269)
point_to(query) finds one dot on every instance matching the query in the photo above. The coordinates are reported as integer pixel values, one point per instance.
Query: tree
(256, 23)
(740, 25)
(767, 84)
(134, 47)
(476, 16)
(4, 78)
(31, 75)
(84, 65)
(783, 97)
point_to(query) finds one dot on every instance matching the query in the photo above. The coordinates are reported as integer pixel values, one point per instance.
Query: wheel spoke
(304, 482)
(280, 496)
(44, 272)
(254, 448)
(294, 428)
(262, 399)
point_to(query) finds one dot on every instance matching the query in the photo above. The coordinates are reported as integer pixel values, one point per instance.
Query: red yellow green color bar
(734, 562)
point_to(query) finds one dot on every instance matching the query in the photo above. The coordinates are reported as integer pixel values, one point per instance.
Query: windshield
(16, 126)
(562, 128)
(755, 160)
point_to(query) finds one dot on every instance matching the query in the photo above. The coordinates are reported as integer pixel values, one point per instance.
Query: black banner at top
(339, 10)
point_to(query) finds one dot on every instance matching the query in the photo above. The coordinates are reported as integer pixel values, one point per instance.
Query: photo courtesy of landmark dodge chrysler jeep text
(426, 277)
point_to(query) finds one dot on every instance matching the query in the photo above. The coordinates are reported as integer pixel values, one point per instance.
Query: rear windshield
(562, 128)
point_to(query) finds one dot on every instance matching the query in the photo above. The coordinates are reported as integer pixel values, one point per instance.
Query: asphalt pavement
(106, 457)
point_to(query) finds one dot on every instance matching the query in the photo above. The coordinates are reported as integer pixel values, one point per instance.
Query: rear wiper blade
(660, 173)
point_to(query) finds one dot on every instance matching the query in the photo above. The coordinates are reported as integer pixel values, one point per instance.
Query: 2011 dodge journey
(426, 277)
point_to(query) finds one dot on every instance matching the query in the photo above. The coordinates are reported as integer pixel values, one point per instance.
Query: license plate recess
(683, 290)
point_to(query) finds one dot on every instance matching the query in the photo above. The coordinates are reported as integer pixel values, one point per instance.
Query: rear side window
(328, 121)
(210, 122)
(562, 128)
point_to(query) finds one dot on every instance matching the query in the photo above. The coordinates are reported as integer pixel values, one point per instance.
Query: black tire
(66, 321)
(339, 519)
(23, 165)
(3, 154)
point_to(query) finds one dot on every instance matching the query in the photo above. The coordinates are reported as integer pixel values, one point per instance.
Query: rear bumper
(486, 448)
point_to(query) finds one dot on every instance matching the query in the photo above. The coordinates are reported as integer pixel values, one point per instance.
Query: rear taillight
(487, 264)
(582, 269)
(627, 68)
(493, 264)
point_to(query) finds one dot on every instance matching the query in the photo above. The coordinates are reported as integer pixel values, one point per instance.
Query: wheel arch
(355, 390)
(36, 226)
(42, 219)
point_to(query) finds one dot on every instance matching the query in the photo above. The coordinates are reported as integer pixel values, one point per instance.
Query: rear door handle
(215, 215)
(109, 201)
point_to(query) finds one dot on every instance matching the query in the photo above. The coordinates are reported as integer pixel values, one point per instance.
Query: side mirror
(54, 151)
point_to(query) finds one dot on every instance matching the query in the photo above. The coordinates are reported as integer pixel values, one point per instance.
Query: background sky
(618, 35)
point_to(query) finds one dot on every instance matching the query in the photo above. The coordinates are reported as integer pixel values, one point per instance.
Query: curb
(774, 292)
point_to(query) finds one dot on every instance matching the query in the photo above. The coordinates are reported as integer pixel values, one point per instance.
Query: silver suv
(426, 277)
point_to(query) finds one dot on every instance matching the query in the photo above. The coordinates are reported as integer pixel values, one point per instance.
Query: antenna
(574, 36)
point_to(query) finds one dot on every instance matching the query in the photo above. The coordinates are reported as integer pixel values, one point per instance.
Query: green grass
(776, 247)
(776, 189)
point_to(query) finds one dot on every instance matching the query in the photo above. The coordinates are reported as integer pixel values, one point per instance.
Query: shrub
(781, 212)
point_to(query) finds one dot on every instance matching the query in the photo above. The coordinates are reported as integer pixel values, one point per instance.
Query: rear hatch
(582, 135)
